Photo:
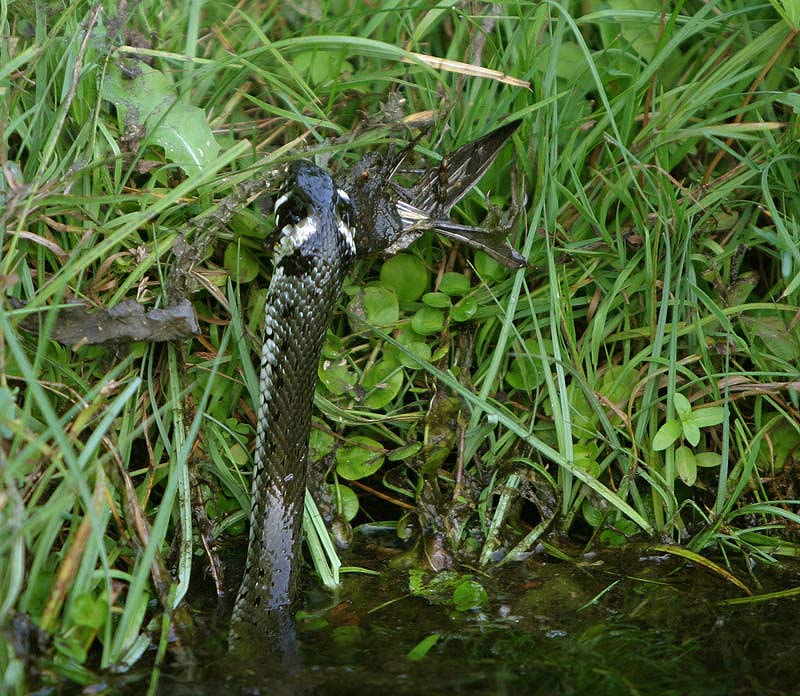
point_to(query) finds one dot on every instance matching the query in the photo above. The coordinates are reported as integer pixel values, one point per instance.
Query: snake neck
(313, 256)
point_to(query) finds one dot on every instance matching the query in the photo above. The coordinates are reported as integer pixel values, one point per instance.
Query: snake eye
(290, 209)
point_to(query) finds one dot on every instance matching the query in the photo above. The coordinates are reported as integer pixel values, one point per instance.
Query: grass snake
(319, 229)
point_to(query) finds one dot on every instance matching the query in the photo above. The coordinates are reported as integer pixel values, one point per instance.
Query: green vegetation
(639, 379)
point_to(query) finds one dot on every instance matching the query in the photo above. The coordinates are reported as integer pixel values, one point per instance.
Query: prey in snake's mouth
(389, 217)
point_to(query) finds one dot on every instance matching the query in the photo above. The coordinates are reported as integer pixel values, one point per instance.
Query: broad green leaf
(524, 372)
(382, 381)
(348, 499)
(686, 465)
(412, 343)
(776, 338)
(147, 101)
(793, 102)
(238, 455)
(586, 458)
(464, 309)
(591, 514)
(337, 376)
(319, 444)
(745, 283)
(251, 224)
(72, 647)
(780, 446)
(469, 595)
(707, 417)
(642, 34)
(404, 452)
(692, 433)
(618, 382)
(488, 268)
(667, 434)
(682, 406)
(571, 65)
(790, 11)
(88, 611)
(380, 306)
(611, 537)
(240, 263)
(427, 321)
(437, 299)
(333, 346)
(440, 352)
(708, 459)
(406, 275)
(321, 66)
(360, 457)
(454, 284)
(523, 375)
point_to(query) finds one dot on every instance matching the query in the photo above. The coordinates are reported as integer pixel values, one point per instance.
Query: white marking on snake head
(294, 236)
(347, 232)
(281, 201)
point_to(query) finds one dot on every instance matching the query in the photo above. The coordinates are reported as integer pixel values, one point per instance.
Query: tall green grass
(641, 377)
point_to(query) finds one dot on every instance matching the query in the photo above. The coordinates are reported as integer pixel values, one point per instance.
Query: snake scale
(318, 230)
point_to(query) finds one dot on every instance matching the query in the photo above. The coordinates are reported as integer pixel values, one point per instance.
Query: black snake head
(314, 220)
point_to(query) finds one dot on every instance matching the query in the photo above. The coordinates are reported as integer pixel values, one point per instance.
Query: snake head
(312, 215)
(307, 190)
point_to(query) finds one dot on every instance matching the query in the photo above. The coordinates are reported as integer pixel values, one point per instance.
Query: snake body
(314, 250)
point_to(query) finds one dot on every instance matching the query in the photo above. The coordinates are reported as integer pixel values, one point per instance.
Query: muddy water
(636, 622)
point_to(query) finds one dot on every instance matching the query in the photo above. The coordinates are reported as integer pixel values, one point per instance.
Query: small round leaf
(240, 263)
(345, 496)
(427, 321)
(88, 611)
(488, 268)
(337, 377)
(360, 457)
(464, 309)
(319, 444)
(406, 275)
(382, 381)
(454, 284)
(413, 345)
(380, 306)
(469, 595)
(437, 299)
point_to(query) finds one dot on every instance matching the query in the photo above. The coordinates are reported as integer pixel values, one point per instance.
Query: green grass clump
(640, 378)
